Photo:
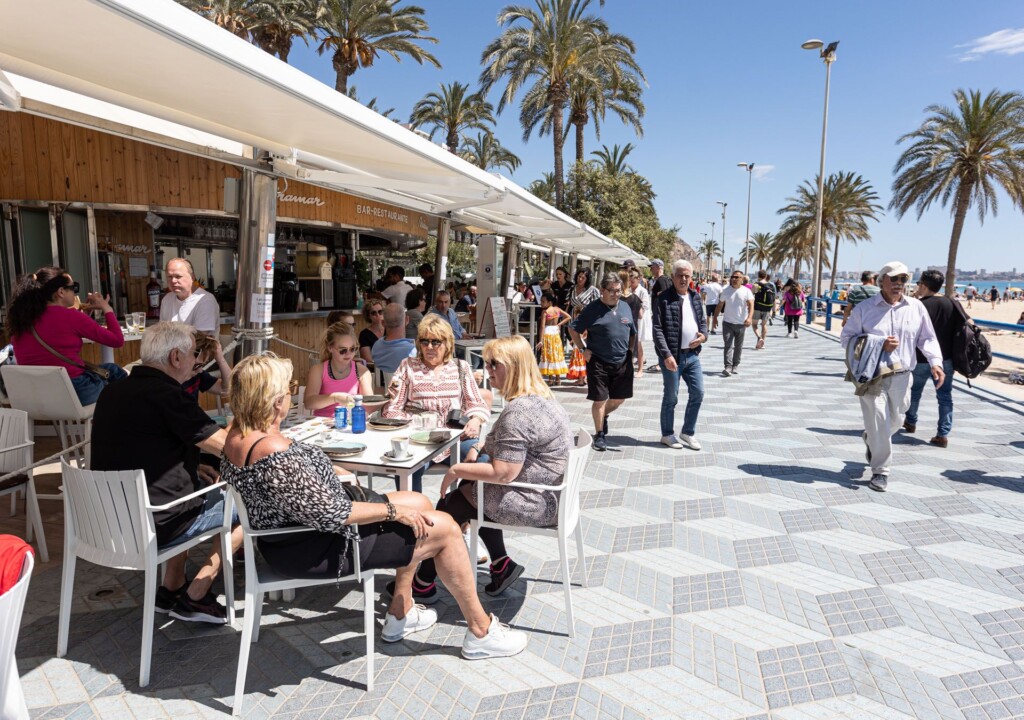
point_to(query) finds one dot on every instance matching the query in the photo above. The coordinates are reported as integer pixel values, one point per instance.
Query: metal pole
(256, 226)
(441, 256)
(712, 224)
(746, 238)
(829, 59)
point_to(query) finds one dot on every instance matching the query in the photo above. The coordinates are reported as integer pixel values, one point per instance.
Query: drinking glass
(140, 321)
(129, 322)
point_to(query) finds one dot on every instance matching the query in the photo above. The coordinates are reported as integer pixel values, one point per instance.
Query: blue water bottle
(359, 416)
(340, 417)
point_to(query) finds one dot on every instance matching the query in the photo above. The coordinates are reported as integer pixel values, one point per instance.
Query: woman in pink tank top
(338, 377)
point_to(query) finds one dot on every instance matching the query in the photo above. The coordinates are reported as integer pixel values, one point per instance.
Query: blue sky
(728, 82)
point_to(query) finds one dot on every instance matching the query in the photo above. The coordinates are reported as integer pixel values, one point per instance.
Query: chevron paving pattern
(759, 578)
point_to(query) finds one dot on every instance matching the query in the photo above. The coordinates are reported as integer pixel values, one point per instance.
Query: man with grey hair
(187, 303)
(608, 351)
(389, 352)
(147, 422)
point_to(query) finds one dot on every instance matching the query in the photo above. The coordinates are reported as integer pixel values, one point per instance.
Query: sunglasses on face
(376, 312)
(490, 365)
(432, 342)
(899, 279)
(736, 277)
(73, 287)
(347, 350)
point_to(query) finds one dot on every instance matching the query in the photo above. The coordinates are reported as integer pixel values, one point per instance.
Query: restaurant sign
(284, 197)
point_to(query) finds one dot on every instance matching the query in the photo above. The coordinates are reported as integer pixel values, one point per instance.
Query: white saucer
(389, 457)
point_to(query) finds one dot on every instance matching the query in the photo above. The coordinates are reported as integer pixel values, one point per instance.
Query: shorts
(211, 516)
(606, 381)
(313, 555)
(763, 315)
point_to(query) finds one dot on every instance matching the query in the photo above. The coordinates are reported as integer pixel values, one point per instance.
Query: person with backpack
(793, 308)
(947, 320)
(764, 306)
(903, 325)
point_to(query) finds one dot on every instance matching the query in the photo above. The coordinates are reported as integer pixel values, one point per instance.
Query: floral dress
(552, 354)
(577, 301)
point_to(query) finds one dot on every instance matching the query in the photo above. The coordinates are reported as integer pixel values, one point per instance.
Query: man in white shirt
(711, 291)
(398, 288)
(736, 307)
(197, 307)
(904, 323)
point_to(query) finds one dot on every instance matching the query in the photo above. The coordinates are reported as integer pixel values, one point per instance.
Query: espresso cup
(399, 447)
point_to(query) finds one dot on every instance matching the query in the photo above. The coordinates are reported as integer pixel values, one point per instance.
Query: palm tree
(454, 110)
(963, 154)
(371, 105)
(849, 203)
(613, 162)
(551, 48)
(759, 250)
(544, 188)
(707, 250)
(357, 31)
(279, 22)
(235, 16)
(794, 243)
(487, 153)
(592, 99)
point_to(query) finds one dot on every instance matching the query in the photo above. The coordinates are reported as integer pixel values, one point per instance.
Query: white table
(470, 345)
(372, 460)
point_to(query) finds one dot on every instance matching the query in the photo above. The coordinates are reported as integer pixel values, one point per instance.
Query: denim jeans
(690, 371)
(210, 517)
(944, 394)
(89, 386)
(465, 445)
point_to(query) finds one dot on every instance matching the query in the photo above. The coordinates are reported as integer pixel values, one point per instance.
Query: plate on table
(433, 437)
(382, 423)
(221, 420)
(340, 448)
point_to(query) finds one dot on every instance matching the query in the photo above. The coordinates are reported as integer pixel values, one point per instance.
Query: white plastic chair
(12, 602)
(382, 380)
(46, 393)
(260, 579)
(16, 456)
(568, 518)
(108, 521)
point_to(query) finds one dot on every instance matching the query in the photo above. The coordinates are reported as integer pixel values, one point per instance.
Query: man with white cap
(904, 324)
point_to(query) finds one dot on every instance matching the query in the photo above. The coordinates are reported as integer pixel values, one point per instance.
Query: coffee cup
(399, 447)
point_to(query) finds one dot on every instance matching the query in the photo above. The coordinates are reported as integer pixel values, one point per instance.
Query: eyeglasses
(432, 342)
(616, 291)
(899, 279)
(376, 312)
(736, 277)
(348, 350)
(73, 287)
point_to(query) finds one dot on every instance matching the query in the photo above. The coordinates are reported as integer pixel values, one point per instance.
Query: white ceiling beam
(10, 99)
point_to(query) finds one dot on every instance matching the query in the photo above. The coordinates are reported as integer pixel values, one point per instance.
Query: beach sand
(996, 378)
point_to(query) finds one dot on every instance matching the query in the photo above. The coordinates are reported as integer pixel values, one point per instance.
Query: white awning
(161, 60)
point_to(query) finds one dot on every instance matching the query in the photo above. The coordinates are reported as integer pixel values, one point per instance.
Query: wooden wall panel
(127, 228)
(51, 161)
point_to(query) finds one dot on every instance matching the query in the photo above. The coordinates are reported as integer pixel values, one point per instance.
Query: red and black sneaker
(206, 610)
(504, 572)
(422, 594)
(166, 599)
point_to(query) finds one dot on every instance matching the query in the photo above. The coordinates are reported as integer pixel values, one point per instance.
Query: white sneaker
(419, 617)
(689, 441)
(789, 335)
(672, 441)
(796, 335)
(500, 641)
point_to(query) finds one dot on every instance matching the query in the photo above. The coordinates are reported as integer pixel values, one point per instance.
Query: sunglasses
(73, 287)
(348, 350)
(491, 365)
(736, 277)
(432, 342)
(376, 312)
(900, 279)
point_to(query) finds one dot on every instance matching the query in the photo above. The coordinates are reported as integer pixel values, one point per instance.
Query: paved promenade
(758, 578)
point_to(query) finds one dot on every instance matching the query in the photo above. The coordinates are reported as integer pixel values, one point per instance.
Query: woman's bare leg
(401, 600)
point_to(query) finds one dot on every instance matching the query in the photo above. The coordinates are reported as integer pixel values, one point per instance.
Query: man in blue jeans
(680, 328)
(948, 320)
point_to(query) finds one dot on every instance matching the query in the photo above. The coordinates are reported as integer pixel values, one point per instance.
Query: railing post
(810, 309)
(828, 316)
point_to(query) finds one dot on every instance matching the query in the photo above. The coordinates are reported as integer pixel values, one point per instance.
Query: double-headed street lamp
(828, 56)
(749, 167)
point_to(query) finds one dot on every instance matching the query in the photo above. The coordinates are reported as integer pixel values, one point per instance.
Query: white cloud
(1009, 41)
(760, 171)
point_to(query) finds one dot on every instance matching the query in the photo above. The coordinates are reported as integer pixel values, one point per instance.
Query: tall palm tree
(235, 16)
(849, 203)
(591, 99)
(550, 48)
(454, 110)
(708, 250)
(278, 23)
(613, 162)
(487, 153)
(759, 250)
(963, 153)
(357, 31)
(544, 188)
(794, 243)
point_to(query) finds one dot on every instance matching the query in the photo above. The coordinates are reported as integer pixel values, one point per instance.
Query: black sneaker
(207, 610)
(503, 573)
(599, 442)
(424, 595)
(166, 599)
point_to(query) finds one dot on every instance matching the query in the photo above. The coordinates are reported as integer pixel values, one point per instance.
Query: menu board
(499, 312)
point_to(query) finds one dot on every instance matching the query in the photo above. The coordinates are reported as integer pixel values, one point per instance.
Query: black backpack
(971, 352)
(764, 298)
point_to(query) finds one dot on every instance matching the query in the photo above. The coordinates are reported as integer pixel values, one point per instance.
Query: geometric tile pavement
(758, 578)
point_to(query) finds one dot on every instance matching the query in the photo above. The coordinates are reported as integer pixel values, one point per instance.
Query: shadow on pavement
(836, 431)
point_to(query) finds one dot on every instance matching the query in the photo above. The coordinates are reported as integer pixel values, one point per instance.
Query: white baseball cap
(894, 267)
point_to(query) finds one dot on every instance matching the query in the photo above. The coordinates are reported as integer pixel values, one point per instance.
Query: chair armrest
(190, 496)
(528, 486)
(22, 446)
(287, 530)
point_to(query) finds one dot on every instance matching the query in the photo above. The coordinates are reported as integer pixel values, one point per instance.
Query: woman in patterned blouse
(583, 292)
(282, 484)
(435, 382)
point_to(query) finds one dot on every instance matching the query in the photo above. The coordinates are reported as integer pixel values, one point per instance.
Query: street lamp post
(723, 204)
(749, 167)
(712, 224)
(828, 55)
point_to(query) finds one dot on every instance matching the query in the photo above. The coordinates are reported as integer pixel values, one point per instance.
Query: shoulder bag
(85, 365)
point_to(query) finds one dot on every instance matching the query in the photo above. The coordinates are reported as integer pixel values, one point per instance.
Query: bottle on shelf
(359, 416)
(153, 295)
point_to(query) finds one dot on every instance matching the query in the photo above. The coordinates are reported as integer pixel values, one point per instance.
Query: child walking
(552, 356)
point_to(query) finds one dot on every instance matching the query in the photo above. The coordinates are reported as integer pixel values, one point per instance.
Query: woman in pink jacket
(793, 304)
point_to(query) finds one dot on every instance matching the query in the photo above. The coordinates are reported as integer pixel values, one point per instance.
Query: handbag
(455, 419)
(101, 372)
(357, 493)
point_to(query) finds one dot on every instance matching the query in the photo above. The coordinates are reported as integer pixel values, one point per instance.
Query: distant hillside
(683, 250)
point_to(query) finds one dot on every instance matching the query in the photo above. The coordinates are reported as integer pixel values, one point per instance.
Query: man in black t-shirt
(947, 319)
(147, 422)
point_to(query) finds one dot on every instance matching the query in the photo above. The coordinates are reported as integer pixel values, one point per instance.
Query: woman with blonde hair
(530, 442)
(282, 484)
(337, 378)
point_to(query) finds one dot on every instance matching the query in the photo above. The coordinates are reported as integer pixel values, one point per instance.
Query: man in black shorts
(608, 351)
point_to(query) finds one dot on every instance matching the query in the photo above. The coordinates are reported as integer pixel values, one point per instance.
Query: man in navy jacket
(680, 328)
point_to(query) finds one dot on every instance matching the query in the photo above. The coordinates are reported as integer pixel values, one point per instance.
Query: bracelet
(391, 511)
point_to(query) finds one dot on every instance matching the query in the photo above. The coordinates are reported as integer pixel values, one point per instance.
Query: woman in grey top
(529, 442)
